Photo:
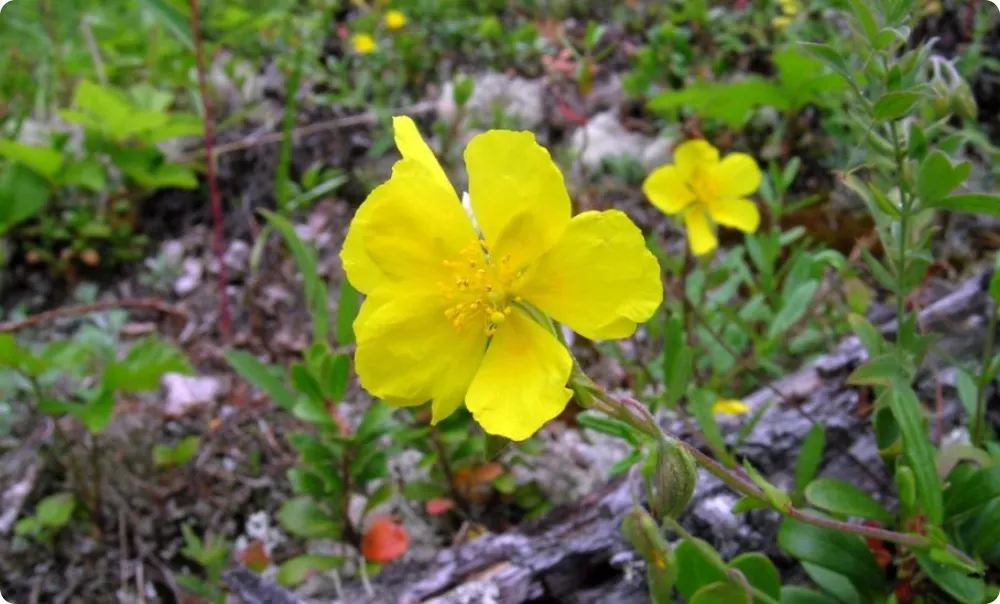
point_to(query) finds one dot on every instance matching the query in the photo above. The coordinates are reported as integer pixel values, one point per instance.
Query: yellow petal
(694, 155)
(731, 407)
(667, 190)
(740, 214)
(408, 352)
(412, 146)
(521, 383)
(737, 175)
(517, 193)
(600, 279)
(406, 229)
(701, 237)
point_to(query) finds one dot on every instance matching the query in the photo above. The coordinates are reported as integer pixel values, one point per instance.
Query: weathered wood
(576, 553)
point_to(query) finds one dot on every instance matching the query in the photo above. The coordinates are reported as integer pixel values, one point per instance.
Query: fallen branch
(361, 119)
(153, 304)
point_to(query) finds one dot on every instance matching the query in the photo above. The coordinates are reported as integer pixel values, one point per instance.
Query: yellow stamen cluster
(479, 289)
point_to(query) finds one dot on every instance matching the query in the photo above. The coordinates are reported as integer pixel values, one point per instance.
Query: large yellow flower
(700, 186)
(457, 311)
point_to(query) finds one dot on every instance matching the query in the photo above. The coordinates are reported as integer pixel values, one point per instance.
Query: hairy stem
(638, 417)
(213, 184)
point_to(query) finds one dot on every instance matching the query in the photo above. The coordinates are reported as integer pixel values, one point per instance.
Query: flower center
(479, 292)
(704, 188)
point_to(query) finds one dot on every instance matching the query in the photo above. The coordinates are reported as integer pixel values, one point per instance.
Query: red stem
(213, 184)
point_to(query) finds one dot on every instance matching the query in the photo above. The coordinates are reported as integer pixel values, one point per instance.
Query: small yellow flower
(781, 22)
(363, 44)
(457, 311)
(699, 186)
(395, 19)
(731, 407)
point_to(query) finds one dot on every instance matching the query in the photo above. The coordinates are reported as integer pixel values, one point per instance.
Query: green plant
(52, 514)
(83, 377)
(167, 456)
(212, 554)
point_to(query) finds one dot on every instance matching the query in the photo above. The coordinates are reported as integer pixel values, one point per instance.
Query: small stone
(237, 257)
(185, 394)
(192, 272)
(605, 137)
(494, 93)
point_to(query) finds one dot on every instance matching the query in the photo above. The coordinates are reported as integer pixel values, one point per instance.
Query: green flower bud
(671, 475)
(661, 565)
(963, 102)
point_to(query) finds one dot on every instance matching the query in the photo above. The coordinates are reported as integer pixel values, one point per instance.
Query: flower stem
(979, 421)
(637, 416)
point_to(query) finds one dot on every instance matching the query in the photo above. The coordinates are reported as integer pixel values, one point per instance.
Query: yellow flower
(698, 186)
(781, 22)
(395, 19)
(789, 7)
(731, 407)
(363, 44)
(456, 311)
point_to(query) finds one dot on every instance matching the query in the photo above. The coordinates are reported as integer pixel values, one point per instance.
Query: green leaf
(178, 23)
(845, 499)
(976, 203)
(731, 102)
(423, 491)
(260, 376)
(381, 495)
(700, 405)
(347, 311)
(144, 366)
(336, 376)
(305, 258)
(981, 487)
(186, 450)
(760, 572)
(810, 456)
(919, 452)
(793, 594)
(867, 333)
(958, 584)
(302, 517)
(696, 568)
(833, 550)
(719, 593)
(44, 161)
(879, 371)
(163, 456)
(679, 377)
(866, 19)
(938, 177)
(55, 511)
(88, 173)
(833, 583)
(376, 421)
(298, 569)
(606, 425)
(23, 195)
(793, 308)
(896, 104)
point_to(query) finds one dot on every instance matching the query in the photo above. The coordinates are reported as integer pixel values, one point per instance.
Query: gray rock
(193, 271)
(185, 394)
(494, 93)
(605, 137)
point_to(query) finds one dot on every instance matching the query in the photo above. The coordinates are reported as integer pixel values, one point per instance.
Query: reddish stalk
(213, 184)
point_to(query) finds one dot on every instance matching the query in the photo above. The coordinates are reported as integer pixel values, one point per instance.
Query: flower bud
(671, 475)
(963, 102)
(661, 565)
